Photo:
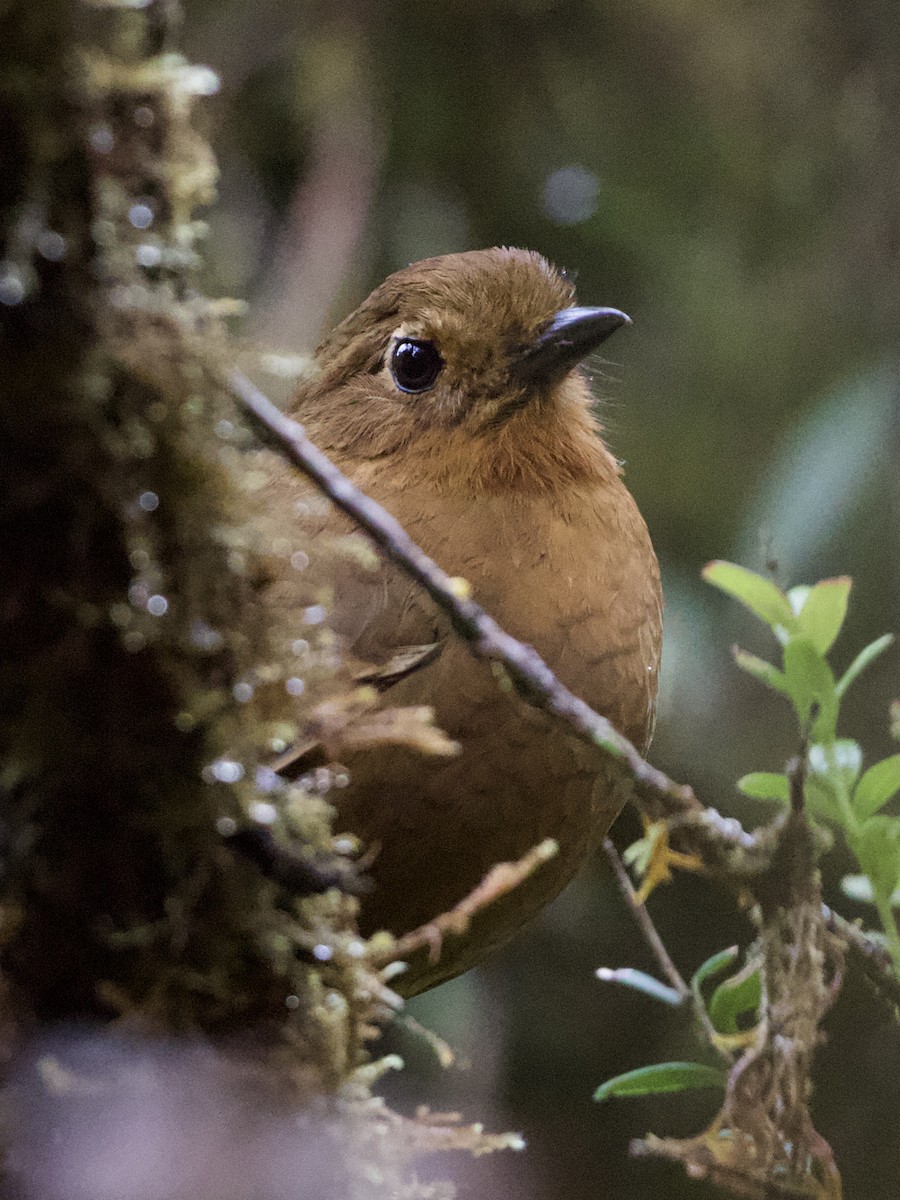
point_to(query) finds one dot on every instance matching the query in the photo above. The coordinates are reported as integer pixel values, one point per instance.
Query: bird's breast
(573, 575)
(577, 580)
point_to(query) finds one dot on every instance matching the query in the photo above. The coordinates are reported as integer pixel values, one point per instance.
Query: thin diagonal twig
(500, 879)
(657, 947)
(644, 923)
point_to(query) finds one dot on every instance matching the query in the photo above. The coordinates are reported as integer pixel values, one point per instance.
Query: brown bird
(453, 396)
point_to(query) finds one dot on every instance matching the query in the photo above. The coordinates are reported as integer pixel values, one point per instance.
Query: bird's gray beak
(571, 335)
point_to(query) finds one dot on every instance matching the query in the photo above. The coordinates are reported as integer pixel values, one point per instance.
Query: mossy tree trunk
(130, 612)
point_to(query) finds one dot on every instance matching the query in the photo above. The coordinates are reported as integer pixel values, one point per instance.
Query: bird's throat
(538, 450)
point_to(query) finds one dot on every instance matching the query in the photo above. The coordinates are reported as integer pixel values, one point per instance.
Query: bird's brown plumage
(505, 481)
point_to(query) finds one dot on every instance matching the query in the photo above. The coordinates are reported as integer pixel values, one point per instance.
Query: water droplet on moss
(149, 501)
(314, 615)
(292, 1002)
(141, 215)
(267, 780)
(322, 779)
(242, 692)
(139, 593)
(299, 560)
(294, 686)
(12, 286)
(51, 245)
(204, 637)
(148, 255)
(263, 813)
(199, 81)
(157, 605)
(224, 770)
(322, 953)
(101, 139)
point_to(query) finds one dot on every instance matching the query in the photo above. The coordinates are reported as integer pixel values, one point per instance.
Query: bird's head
(469, 345)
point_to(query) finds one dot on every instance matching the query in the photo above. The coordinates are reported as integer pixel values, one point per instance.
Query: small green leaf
(810, 682)
(879, 785)
(760, 669)
(735, 998)
(709, 969)
(765, 785)
(661, 1077)
(877, 847)
(865, 657)
(759, 594)
(640, 982)
(823, 610)
(821, 800)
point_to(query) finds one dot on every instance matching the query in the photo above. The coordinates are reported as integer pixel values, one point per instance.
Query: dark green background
(741, 164)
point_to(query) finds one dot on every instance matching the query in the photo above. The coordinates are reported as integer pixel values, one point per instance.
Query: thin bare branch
(657, 947)
(501, 879)
(644, 922)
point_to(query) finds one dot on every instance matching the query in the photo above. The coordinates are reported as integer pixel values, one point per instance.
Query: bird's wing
(387, 629)
(377, 612)
(405, 662)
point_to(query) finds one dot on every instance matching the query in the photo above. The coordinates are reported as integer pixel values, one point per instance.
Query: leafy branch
(806, 622)
(762, 1143)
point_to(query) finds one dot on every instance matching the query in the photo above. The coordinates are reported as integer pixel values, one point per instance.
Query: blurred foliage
(728, 175)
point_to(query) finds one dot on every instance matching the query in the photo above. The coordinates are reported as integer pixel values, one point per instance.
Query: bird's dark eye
(415, 365)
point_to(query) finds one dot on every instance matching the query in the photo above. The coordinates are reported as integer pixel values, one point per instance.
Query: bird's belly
(441, 824)
(585, 594)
